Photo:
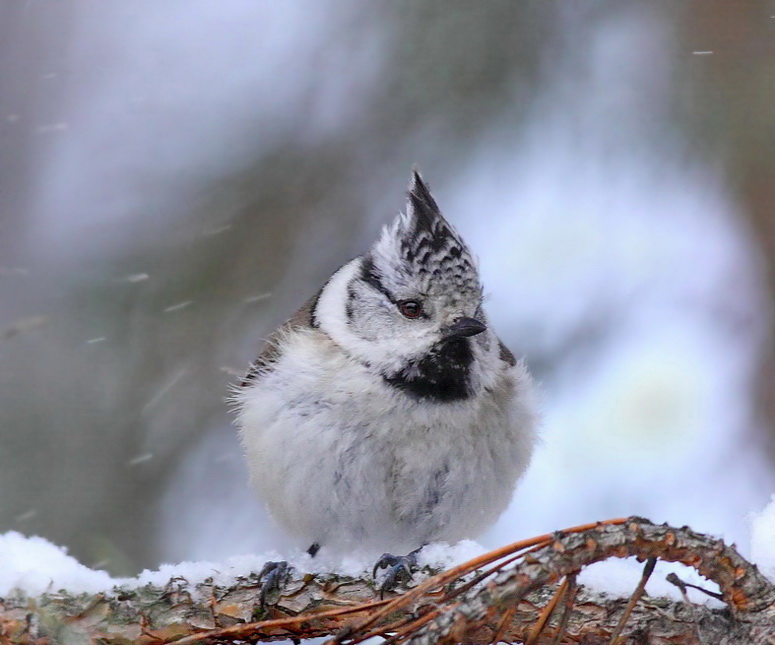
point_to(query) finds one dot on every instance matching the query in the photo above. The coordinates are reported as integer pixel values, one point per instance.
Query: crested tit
(386, 413)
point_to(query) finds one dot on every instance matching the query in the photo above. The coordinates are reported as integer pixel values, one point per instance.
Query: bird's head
(411, 307)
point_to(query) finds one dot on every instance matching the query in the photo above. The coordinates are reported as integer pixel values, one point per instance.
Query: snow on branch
(524, 592)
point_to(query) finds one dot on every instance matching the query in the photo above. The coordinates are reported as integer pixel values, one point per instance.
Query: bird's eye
(410, 308)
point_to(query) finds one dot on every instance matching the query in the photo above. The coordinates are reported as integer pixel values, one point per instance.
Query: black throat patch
(441, 375)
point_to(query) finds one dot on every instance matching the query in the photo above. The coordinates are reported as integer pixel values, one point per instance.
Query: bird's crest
(421, 246)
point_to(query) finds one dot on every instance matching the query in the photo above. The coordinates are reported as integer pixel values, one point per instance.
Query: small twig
(547, 612)
(407, 628)
(458, 591)
(673, 579)
(246, 630)
(503, 624)
(647, 571)
(406, 623)
(570, 597)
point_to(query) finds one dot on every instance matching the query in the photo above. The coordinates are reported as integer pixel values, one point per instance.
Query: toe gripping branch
(399, 570)
(272, 577)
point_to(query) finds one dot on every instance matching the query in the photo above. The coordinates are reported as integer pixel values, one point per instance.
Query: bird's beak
(465, 327)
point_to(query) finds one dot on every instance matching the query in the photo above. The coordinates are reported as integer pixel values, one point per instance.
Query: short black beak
(465, 327)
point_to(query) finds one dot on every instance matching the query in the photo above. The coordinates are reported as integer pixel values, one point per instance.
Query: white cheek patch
(331, 316)
(329, 313)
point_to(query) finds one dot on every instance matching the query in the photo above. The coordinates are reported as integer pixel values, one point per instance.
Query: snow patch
(763, 539)
(619, 577)
(34, 565)
(440, 555)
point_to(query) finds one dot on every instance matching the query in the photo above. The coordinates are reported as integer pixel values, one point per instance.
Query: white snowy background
(177, 177)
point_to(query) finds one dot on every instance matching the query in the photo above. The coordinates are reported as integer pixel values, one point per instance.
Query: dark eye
(410, 308)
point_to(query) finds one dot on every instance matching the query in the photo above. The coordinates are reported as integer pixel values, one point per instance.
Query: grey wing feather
(506, 355)
(302, 318)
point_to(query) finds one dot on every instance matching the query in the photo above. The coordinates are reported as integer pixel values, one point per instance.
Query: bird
(386, 414)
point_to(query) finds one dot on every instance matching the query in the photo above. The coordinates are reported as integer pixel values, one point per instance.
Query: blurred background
(176, 178)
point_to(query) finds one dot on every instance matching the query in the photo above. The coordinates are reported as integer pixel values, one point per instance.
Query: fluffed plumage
(386, 414)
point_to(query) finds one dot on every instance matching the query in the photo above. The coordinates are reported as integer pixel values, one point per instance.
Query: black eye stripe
(371, 276)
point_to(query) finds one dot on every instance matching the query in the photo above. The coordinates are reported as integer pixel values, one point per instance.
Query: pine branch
(511, 593)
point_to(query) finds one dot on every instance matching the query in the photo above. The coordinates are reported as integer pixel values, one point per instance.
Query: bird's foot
(399, 570)
(272, 578)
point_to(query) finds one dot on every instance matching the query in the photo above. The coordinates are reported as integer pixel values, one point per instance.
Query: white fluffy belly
(342, 459)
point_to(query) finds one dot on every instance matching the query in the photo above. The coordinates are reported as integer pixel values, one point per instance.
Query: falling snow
(178, 307)
(140, 459)
(137, 277)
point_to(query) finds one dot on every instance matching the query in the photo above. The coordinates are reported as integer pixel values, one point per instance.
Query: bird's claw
(272, 578)
(399, 569)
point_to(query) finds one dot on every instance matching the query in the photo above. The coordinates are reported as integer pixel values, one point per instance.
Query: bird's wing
(270, 351)
(506, 355)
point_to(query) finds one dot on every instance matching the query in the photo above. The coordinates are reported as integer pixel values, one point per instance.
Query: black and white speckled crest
(424, 251)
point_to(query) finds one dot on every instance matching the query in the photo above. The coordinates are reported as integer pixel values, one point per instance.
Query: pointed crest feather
(421, 247)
